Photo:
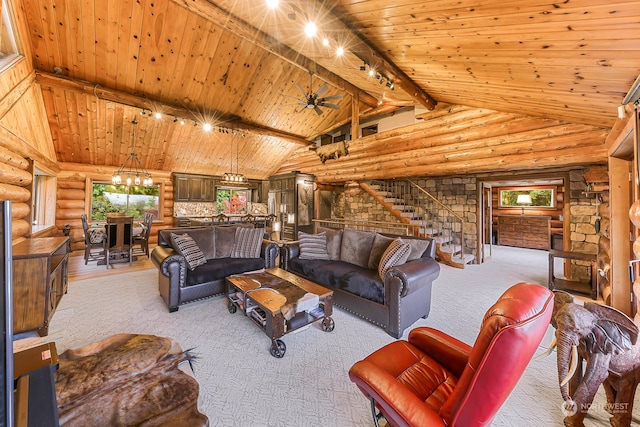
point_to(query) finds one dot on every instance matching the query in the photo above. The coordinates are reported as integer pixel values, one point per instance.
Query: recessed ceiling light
(372, 72)
(273, 3)
(310, 29)
(340, 51)
(158, 116)
(325, 41)
(206, 127)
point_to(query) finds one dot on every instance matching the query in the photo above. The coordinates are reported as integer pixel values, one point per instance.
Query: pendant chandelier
(234, 178)
(132, 172)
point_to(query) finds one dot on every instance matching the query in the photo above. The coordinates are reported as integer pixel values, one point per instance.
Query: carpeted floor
(243, 385)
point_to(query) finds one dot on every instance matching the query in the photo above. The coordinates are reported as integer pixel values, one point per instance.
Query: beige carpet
(243, 385)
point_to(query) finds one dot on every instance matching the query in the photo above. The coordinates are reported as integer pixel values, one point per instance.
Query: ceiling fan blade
(332, 98)
(302, 91)
(322, 89)
(317, 110)
(332, 106)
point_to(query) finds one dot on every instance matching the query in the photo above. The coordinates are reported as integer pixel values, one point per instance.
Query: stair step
(442, 240)
(410, 215)
(466, 259)
(391, 199)
(421, 222)
(404, 208)
(429, 231)
(451, 249)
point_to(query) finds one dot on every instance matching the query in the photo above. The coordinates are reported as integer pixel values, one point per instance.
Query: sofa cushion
(218, 269)
(313, 246)
(247, 243)
(380, 244)
(225, 238)
(356, 246)
(396, 254)
(341, 275)
(187, 247)
(334, 241)
(205, 239)
(418, 246)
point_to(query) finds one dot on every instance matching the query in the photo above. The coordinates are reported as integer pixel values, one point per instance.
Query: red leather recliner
(434, 379)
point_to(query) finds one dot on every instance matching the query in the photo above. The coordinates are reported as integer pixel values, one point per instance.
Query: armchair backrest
(511, 331)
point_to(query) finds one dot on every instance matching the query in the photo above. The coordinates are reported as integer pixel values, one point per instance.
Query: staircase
(426, 217)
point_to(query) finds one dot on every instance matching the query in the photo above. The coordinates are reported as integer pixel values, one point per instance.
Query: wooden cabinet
(193, 188)
(291, 197)
(524, 231)
(39, 281)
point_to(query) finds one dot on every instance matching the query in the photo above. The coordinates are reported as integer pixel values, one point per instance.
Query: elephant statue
(607, 340)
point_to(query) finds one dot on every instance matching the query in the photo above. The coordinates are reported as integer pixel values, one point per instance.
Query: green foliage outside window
(108, 198)
(539, 198)
(231, 202)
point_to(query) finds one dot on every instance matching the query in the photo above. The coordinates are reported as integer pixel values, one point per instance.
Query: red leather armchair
(434, 379)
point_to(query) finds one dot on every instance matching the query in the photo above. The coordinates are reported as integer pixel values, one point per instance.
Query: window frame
(8, 22)
(528, 190)
(232, 189)
(89, 197)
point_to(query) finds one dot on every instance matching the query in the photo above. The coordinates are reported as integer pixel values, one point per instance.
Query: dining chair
(142, 239)
(119, 230)
(94, 242)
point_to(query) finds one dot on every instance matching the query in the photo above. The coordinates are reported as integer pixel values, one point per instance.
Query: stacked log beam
(15, 184)
(604, 251)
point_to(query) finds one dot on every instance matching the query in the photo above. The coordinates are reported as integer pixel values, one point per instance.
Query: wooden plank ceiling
(551, 73)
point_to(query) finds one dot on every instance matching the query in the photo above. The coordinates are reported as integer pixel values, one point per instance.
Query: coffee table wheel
(328, 324)
(278, 348)
(231, 307)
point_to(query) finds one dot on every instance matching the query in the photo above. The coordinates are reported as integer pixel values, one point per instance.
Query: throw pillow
(356, 247)
(313, 246)
(380, 244)
(334, 241)
(417, 248)
(225, 239)
(396, 254)
(184, 244)
(248, 242)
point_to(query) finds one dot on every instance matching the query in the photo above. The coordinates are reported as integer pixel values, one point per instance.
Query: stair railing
(427, 215)
(354, 224)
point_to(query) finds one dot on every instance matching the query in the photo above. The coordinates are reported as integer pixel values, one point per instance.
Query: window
(43, 200)
(8, 46)
(540, 197)
(232, 201)
(133, 201)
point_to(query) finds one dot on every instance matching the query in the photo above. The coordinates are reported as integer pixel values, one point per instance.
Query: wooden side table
(584, 287)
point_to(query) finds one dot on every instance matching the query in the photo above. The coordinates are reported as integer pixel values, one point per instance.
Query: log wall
(73, 199)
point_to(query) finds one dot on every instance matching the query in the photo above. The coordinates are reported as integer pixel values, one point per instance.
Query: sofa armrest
(270, 252)
(169, 262)
(413, 275)
(448, 351)
(289, 251)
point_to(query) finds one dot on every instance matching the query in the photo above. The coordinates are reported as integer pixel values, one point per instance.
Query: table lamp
(523, 199)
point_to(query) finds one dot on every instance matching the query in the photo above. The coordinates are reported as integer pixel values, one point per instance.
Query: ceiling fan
(314, 100)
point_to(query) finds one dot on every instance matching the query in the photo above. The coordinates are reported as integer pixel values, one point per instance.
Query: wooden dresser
(39, 280)
(524, 231)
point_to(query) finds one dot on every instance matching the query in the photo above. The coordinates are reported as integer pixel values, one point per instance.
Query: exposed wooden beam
(364, 50)
(93, 89)
(240, 28)
(15, 94)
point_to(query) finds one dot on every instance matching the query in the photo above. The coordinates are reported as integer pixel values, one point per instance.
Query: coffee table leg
(278, 348)
(328, 324)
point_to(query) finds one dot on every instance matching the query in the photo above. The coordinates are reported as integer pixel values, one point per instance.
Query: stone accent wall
(584, 214)
(458, 193)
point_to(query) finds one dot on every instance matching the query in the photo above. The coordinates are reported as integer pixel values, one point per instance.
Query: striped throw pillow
(396, 254)
(313, 246)
(187, 247)
(248, 242)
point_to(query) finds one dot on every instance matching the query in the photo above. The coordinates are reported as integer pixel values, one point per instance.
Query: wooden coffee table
(262, 297)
